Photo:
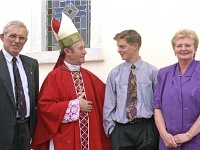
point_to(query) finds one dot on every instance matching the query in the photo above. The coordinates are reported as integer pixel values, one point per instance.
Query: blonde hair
(185, 33)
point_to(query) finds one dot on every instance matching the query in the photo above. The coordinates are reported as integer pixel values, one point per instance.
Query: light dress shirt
(116, 93)
(23, 76)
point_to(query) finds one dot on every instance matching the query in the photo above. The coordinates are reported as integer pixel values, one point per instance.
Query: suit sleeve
(158, 92)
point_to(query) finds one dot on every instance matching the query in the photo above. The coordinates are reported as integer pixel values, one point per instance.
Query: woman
(177, 96)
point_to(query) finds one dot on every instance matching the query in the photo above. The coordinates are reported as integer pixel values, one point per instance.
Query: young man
(19, 85)
(128, 107)
(70, 108)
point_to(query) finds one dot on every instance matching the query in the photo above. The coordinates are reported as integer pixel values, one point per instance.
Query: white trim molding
(48, 57)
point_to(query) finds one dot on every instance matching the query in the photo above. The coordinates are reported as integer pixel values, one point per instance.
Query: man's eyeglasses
(13, 37)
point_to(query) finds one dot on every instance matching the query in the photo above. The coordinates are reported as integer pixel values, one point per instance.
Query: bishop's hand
(85, 106)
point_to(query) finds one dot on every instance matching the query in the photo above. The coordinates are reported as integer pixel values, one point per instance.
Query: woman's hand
(182, 138)
(169, 141)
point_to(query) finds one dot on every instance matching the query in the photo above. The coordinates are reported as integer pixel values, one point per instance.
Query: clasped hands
(85, 105)
(174, 141)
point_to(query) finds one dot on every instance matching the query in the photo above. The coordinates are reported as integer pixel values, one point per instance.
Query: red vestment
(55, 94)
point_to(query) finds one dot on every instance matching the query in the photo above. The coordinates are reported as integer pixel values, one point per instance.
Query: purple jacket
(178, 97)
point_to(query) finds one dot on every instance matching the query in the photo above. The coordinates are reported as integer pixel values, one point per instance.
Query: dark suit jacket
(7, 101)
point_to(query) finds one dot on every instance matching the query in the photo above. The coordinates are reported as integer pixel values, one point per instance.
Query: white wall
(28, 11)
(155, 20)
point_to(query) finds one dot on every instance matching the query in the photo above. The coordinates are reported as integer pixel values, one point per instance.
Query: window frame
(37, 36)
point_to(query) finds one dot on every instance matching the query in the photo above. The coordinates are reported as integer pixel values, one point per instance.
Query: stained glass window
(80, 13)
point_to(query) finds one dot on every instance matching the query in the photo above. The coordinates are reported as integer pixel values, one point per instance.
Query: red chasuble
(56, 92)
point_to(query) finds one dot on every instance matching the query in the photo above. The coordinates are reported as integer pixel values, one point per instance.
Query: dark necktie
(19, 92)
(132, 95)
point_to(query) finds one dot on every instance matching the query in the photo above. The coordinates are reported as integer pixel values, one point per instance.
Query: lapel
(187, 76)
(5, 76)
(178, 81)
(29, 73)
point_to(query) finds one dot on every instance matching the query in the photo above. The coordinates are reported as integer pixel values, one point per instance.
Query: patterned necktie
(84, 119)
(131, 110)
(19, 92)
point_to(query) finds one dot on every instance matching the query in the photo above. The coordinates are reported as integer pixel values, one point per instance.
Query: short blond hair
(185, 33)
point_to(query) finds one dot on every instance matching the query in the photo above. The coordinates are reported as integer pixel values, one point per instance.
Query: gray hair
(15, 23)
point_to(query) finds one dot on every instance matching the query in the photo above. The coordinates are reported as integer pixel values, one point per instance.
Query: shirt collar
(72, 67)
(137, 64)
(8, 56)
